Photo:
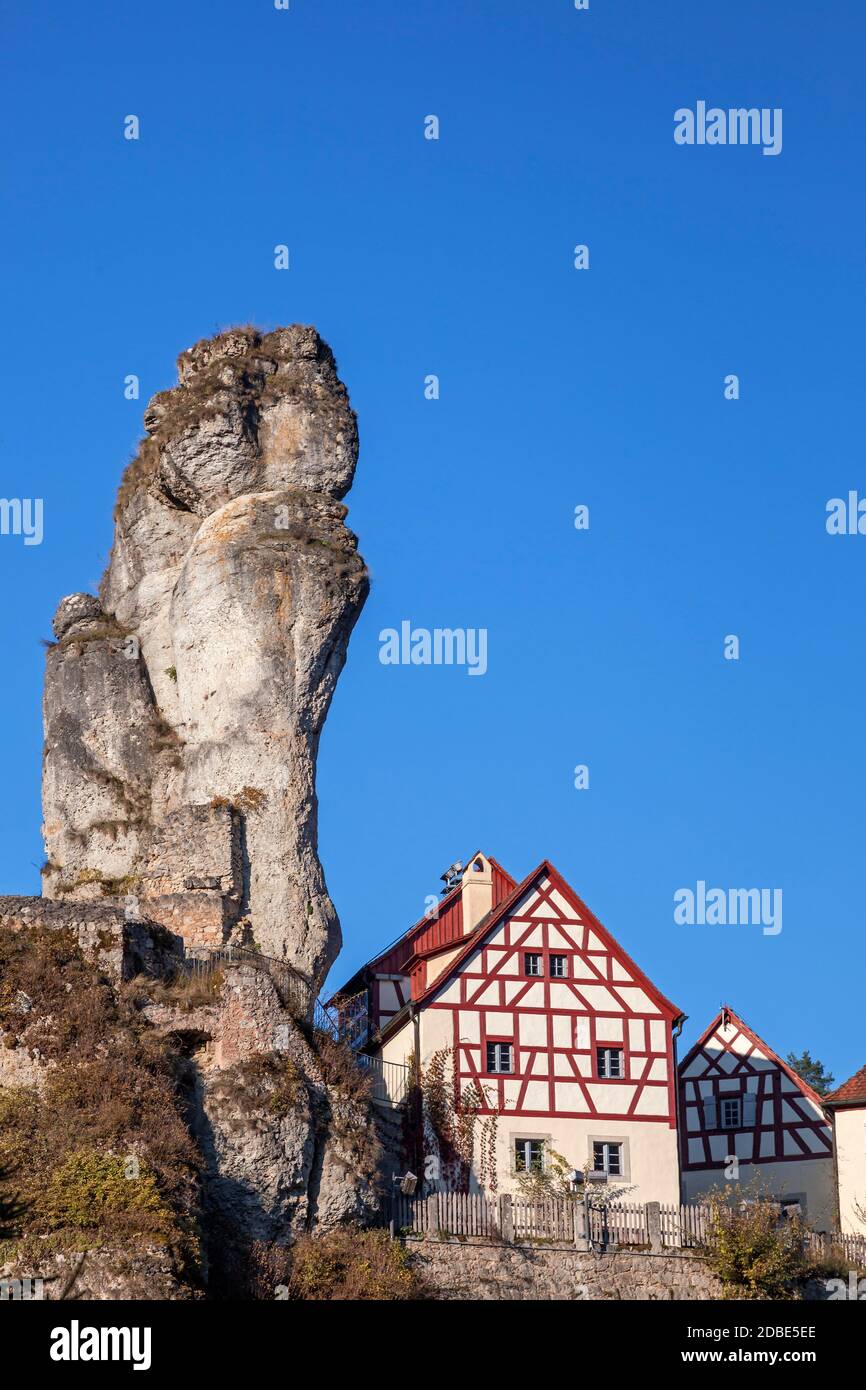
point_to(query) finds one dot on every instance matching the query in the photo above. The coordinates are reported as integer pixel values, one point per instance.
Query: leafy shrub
(340, 1068)
(91, 1190)
(247, 799)
(754, 1251)
(353, 1264)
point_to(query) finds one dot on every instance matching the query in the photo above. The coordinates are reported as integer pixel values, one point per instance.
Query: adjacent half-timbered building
(745, 1114)
(543, 1014)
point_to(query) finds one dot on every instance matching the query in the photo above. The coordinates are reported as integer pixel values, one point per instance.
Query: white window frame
(603, 1070)
(528, 1139)
(498, 1069)
(606, 1145)
(624, 1153)
(725, 1101)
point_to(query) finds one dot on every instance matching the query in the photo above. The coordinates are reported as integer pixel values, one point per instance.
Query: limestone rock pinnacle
(183, 708)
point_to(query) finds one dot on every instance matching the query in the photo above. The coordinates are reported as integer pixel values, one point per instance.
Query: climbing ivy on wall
(455, 1130)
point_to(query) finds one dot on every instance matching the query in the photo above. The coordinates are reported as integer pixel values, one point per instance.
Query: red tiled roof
(486, 925)
(403, 946)
(851, 1092)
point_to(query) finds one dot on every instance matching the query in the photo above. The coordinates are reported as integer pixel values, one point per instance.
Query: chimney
(477, 896)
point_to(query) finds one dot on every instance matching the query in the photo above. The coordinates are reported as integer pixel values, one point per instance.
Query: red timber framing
(781, 1119)
(386, 976)
(594, 997)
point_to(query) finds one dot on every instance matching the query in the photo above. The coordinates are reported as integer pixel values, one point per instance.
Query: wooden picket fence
(623, 1223)
(556, 1219)
(572, 1222)
(652, 1227)
(853, 1248)
(684, 1227)
(542, 1219)
(448, 1213)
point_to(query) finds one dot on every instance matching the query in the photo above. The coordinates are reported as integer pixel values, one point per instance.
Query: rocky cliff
(164, 1134)
(168, 1126)
(183, 706)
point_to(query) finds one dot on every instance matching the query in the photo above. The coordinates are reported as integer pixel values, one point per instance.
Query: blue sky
(558, 387)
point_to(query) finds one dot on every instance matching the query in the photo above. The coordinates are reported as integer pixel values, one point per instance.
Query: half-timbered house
(543, 1017)
(745, 1114)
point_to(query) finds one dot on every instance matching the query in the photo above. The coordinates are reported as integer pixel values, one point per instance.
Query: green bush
(754, 1251)
(105, 1192)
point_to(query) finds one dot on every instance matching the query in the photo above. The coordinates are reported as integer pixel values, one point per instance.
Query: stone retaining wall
(473, 1269)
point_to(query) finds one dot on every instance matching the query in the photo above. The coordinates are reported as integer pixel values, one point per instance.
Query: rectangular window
(607, 1158)
(529, 1155)
(609, 1062)
(731, 1112)
(557, 967)
(499, 1057)
(532, 964)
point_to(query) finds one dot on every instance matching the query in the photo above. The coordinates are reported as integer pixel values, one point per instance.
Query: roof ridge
(758, 1041)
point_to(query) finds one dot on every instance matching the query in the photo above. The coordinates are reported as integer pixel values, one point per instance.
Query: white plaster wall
(652, 1147)
(652, 1151)
(399, 1047)
(851, 1160)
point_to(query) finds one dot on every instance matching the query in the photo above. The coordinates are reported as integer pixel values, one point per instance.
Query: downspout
(418, 1118)
(416, 1029)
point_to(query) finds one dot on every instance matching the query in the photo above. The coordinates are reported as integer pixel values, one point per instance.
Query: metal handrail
(296, 992)
(391, 1080)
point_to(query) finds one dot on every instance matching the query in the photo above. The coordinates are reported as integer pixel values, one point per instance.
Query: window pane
(613, 1164)
(609, 1061)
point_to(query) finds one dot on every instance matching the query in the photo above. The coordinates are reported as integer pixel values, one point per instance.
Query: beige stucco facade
(811, 1182)
(649, 1152)
(850, 1134)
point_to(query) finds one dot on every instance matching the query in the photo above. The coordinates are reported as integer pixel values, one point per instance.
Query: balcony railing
(390, 1080)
